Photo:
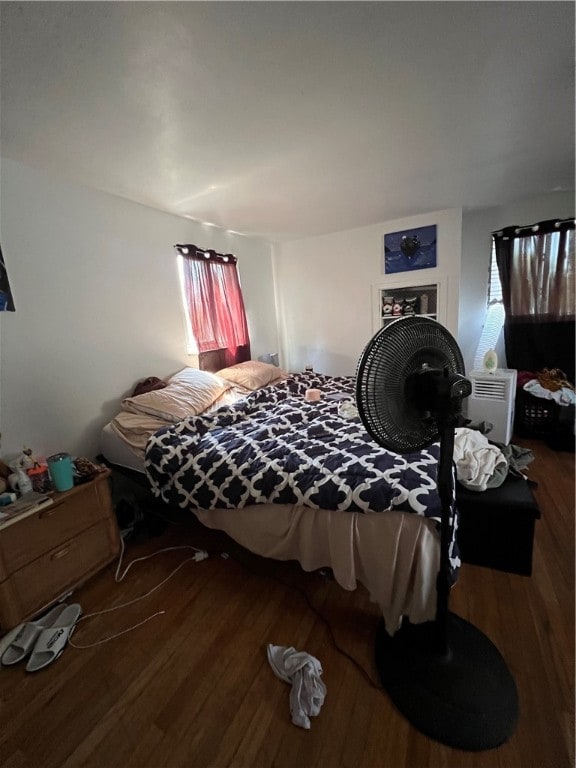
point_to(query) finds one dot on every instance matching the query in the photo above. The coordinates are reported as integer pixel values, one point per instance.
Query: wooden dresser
(47, 554)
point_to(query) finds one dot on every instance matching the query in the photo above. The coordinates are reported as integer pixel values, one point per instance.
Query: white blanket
(476, 459)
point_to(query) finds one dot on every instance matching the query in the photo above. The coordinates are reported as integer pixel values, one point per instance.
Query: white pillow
(252, 374)
(188, 393)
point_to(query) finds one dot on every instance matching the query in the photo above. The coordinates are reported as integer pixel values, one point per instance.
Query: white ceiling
(290, 119)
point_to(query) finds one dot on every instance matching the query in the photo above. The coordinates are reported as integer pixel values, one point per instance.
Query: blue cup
(61, 471)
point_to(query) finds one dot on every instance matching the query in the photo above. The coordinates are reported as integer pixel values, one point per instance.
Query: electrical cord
(326, 623)
(199, 555)
(118, 577)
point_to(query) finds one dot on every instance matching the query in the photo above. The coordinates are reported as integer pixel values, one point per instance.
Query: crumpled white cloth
(303, 672)
(476, 459)
(562, 396)
(347, 410)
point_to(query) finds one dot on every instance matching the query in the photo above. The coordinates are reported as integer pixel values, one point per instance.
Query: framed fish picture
(410, 249)
(6, 298)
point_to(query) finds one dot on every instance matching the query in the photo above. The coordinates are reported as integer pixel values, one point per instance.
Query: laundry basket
(534, 416)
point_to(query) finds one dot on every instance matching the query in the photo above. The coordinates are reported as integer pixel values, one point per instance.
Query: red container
(40, 478)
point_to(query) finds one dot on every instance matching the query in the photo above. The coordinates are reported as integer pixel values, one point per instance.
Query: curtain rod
(192, 251)
(548, 225)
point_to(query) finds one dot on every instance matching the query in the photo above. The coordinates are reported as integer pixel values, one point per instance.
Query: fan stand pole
(445, 482)
(445, 676)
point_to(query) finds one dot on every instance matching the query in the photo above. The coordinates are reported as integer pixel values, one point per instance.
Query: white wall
(323, 284)
(97, 306)
(97, 298)
(477, 227)
(324, 288)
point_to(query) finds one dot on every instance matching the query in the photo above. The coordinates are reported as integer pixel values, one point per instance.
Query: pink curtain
(214, 298)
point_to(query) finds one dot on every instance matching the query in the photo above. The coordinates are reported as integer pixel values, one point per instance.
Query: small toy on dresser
(18, 479)
(25, 473)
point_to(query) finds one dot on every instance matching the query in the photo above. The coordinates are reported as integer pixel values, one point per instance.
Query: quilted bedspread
(273, 446)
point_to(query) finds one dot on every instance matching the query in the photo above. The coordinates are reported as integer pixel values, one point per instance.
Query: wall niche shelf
(405, 298)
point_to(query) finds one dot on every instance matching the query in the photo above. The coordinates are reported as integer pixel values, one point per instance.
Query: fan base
(465, 699)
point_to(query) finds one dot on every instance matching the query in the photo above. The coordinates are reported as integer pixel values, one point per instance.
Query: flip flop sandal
(52, 640)
(27, 634)
(6, 640)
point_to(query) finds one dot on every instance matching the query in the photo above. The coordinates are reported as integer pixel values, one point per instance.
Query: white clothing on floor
(303, 672)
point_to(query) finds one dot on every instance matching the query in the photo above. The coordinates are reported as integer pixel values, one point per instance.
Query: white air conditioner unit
(492, 399)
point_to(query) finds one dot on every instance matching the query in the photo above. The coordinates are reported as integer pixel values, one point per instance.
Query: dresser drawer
(48, 577)
(36, 534)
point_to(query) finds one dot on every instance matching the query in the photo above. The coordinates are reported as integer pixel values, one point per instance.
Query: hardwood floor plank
(192, 687)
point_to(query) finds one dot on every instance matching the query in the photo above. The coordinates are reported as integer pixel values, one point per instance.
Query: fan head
(410, 376)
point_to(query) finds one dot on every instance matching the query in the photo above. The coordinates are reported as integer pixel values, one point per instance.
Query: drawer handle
(46, 512)
(61, 553)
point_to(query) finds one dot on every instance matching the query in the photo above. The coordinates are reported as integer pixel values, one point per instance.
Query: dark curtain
(536, 267)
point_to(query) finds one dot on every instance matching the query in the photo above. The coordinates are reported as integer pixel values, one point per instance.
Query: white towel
(476, 459)
(303, 672)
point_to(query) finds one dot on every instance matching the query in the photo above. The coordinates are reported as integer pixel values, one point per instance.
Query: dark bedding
(273, 446)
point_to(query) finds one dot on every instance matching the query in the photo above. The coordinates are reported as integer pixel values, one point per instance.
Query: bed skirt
(395, 555)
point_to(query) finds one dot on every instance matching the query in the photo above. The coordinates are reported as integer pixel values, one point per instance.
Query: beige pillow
(252, 374)
(188, 393)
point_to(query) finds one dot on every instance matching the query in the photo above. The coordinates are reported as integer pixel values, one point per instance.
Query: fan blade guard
(390, 360)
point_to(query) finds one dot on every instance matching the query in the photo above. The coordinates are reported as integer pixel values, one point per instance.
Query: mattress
(116, 451)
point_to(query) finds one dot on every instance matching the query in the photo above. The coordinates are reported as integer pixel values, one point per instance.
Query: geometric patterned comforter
(273, 446)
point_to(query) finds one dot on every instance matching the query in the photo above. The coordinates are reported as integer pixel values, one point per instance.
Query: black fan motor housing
(437, 392)
(410, 377)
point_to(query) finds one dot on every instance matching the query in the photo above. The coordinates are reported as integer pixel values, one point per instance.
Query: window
(212, 300)
(495, 314)
(495, 287)
(537, 266)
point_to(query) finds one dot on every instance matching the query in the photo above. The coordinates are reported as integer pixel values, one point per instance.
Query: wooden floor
(192, 687)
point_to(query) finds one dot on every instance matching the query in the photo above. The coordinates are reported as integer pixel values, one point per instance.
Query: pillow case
(252, 374)
(188, 393)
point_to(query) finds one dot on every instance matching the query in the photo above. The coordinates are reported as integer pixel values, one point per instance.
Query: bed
(248, 453)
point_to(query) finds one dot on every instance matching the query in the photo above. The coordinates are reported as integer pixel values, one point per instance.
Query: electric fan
(445, 676)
